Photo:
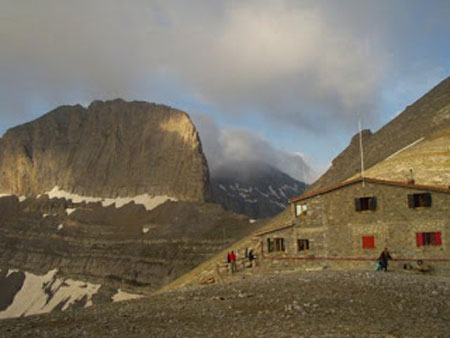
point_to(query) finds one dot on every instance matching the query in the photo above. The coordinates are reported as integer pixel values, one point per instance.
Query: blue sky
(286, 77)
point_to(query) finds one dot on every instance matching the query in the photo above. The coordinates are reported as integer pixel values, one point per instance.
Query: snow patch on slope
(70, 210)
(122, 295)
(43, 293)
(149, 202)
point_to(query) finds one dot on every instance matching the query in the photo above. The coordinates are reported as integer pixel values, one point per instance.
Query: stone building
(350, 223)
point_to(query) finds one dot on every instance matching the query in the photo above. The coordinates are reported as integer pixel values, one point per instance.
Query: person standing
(251, 257)
(233, 262)
(384, 258)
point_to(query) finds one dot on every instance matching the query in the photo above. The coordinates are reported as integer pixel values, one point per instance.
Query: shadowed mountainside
(255, 189)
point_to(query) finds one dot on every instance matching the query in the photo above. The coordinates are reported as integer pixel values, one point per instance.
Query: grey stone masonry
(335, 229)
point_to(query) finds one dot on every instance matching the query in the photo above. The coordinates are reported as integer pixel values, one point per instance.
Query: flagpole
(361, 148)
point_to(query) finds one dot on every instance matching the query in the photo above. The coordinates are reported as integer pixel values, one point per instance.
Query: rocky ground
(312, 304)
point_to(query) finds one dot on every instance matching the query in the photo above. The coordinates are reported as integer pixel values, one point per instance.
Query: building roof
(281, 223)
(370, 180)
(274, 228)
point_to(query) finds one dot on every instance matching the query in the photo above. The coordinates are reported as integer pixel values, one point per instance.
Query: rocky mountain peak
(109, 149)
(253, 188)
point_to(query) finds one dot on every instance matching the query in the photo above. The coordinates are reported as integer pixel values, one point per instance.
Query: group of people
(381, 264)
(231, 259)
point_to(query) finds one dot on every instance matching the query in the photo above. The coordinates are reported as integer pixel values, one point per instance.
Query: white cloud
(307, 64)
(272, 57)
(225, 146)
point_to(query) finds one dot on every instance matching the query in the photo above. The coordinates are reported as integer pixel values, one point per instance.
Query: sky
(283, 81)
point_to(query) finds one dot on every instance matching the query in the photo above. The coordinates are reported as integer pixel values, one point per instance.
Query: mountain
(253, 188)
(418, 121)
(427, 161)
(56, 246)
(102, 203)
(110, 149)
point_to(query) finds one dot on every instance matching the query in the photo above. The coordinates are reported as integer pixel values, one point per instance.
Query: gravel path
(314, 304)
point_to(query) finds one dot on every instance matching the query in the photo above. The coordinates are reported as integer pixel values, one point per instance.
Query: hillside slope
(127, 247)
(421, 119)
(428, 158)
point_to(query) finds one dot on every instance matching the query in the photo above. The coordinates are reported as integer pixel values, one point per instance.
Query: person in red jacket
(233, 262)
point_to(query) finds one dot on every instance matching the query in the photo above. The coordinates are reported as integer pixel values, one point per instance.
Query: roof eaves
(325, 190)
(274, 229)
(371, 180)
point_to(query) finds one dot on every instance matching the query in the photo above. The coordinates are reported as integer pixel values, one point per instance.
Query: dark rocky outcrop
(255, 189)
(110, 149)
(421, 119)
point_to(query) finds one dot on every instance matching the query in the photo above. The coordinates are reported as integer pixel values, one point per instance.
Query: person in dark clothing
(251, 257)
(384, 259)
(228, 258)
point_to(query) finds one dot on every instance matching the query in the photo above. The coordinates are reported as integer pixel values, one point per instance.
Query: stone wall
(335, 228)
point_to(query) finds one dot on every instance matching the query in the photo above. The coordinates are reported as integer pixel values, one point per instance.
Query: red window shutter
(368, 242)
(419, 238)
(437, 238)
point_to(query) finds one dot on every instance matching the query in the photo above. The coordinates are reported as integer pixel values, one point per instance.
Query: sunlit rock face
(110, 149)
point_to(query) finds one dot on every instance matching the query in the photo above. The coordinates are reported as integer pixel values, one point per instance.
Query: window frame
(301, 247)
(279, 245)
(420, 200)
(276, 244)
(301, 209)
(270, 245)
(430, 238)
(366, 203)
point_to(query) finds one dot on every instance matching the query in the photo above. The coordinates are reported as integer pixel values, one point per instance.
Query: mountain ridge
(254, 188)
(419, 119)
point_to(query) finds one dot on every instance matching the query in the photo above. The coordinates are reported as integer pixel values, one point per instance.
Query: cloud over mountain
(224, 146)
(309, 65)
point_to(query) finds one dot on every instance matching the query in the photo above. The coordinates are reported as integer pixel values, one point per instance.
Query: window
(419, 200)
(428, 238)
(303, 244)
(365, 203)
(275, 244)
(279, 244)
(300, 209)
(368, 242)
(270, 245)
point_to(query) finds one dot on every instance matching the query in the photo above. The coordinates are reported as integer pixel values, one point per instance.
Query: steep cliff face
(420, 120)
(111, 149)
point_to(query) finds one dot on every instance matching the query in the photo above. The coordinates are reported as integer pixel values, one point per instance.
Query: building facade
(352, 222)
